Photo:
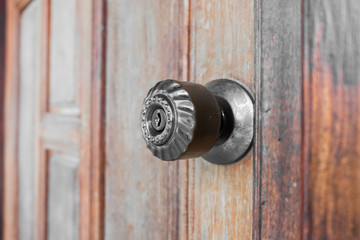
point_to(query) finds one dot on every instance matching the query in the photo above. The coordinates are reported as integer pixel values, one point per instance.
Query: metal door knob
(182, 120)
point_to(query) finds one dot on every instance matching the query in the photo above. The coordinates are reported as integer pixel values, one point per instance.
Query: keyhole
(158, 119)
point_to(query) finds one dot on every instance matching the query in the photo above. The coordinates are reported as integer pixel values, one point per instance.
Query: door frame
(2, 85)
(93, 227)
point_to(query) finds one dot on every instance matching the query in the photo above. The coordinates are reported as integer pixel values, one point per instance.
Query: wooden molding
(97, 125)
(21, 4)
(10, 226)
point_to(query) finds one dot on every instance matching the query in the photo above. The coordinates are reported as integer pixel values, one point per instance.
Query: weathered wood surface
(11, 214)
(40, 154)
(64, 58)
(2, 106)
(222, 45)
(278, 143)
(62, 130)
(331, 106)
(97, 126)
(65, 136)
(68, 128)
(146, 42)
(307, 173)
(30, 40)
(21, 4)
(63, 213)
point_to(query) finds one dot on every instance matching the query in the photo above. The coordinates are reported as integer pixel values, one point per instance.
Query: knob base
(237, 106)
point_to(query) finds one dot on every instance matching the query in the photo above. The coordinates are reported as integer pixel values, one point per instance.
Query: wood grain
(222, 45)
(83, 75)
(279, 120)
(2, 107)
(65, 136)
(97, 170)
(63, 213)
(22, 4)
(30, 44)
(10, 226)
(331, 106)
(64, 118)
(63, 131)
(146, 42)
(41, 155)
(69, 128)
(64, 57)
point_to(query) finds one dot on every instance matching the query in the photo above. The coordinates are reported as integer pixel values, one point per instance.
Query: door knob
(182, 120)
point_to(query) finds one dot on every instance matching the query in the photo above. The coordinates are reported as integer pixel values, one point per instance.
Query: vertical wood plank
(63, 84)
(63, 205)
(41, 154)
(146, 43)
(331, 104)
(222, 45)
(2, 106)
(83, 75)
(10, 226)
(279, 123)
(97, 170)
(30, 40)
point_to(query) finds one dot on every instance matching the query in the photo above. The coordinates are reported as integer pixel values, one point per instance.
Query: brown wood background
(278, 144)
(308, 120)
(301, 59)
(10, 226)
(331, 127)
(146, 42)
(222, 46)
(192, 41)
(68, 141)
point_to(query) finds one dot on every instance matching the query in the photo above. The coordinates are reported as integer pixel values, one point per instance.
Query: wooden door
(53, 150)
(194, 41)
(75, 163)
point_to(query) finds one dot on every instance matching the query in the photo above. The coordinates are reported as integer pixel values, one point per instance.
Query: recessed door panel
(63, 213)
(63, 57)
(29, 74)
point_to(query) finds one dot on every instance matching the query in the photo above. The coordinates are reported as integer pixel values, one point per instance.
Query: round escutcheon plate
(236, 137)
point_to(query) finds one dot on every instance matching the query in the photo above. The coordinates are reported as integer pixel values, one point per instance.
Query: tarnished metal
(182, 120)
(192, 120)
(236, 137)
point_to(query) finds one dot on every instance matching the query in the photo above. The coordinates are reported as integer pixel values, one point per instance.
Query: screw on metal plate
(182, 120)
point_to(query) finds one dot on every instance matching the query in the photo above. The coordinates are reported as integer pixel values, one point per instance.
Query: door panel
(30, 41)
(63, 213)
(49, 101)
(63, 57)
(222, 45)
(63, 129)
(146, 42)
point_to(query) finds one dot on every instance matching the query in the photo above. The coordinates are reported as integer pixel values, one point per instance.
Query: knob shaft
(182, 120)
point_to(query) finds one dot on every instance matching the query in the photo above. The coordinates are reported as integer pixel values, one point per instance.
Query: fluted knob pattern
(180, 120)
